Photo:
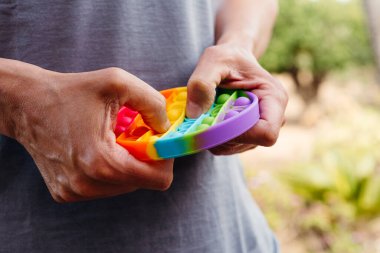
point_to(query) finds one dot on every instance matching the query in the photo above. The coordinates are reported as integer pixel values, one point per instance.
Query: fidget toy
(233, 113)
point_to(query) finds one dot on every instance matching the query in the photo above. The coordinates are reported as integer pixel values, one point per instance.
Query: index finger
(155, 175)
(266, 130)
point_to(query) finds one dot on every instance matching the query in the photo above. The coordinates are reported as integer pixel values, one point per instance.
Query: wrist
(8, 87)
(17, 83)
(247, 24)
(241, 39)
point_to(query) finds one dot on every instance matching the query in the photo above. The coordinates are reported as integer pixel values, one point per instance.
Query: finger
(85, 188)
(111, 163)
(63, 194)
(266, 130)
(153, 175)
(201, 86)
(137, 95)
(272, 102)
(157, 175)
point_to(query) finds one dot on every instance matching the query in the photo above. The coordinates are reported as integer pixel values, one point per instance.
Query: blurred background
(319, 186)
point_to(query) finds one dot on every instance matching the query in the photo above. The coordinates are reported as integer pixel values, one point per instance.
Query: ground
(346, 111)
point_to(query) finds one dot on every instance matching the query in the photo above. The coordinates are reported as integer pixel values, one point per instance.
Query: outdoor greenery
(339, 188)
(328, 201)
(347, 175)
(314, 37)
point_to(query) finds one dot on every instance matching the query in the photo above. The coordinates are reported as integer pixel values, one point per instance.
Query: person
(66, 68)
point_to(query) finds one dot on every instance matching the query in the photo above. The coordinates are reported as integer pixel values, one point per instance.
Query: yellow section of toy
(140, 139)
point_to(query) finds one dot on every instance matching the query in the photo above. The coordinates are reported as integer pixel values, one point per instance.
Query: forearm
(247, 23)
(7, 88)
(15, 86)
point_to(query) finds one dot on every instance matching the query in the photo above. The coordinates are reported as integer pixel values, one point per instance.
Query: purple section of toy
(230, 128)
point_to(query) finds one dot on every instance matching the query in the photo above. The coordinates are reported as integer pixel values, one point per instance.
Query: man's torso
(207, 209)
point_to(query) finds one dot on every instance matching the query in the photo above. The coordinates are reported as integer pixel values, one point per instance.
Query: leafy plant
(313, 38)
(339, 188)
(339, 176)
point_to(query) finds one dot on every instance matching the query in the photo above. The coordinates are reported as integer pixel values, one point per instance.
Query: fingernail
(193, 110)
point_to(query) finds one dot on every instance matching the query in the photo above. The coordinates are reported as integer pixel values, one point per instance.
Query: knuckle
(198, 84)
(87, 158)
(115, 75)
(212, 51)
(166, 182)
(231, 55)
(58, 190)
(222, 54)
(63, 195)
(285, 97)
(282, 98)
(160, 101)
(135, 173)
(270, 137)
(79, 186)
(284, 122)
(201, 91)
(57, 197)
(95, 173)
(115, 71)
(94, 165)
(102, 173)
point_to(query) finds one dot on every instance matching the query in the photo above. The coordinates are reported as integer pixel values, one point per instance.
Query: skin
(243, 32)
(66, 120)
(69, 133)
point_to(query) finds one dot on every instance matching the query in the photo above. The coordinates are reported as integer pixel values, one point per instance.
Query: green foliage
(318, 36)
(343, 175)
(340, 178)
(338, 189)
(339, 192)
(327, 197)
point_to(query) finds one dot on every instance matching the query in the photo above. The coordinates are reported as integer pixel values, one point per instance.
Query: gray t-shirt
(208, 207)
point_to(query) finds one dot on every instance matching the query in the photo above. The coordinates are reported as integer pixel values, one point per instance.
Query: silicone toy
(233, 113)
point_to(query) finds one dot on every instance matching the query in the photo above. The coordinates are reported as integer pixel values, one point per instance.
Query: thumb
(139, 96)
(201, 87)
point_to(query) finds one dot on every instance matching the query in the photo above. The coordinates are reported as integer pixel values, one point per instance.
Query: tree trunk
(308, 91)
(373, 12)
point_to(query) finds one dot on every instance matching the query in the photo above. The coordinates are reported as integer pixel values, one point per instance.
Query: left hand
(233, 67)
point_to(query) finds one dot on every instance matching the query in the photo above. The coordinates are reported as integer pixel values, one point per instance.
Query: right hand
(66, 122)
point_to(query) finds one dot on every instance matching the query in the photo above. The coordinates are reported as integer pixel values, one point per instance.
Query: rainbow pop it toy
(233, 113)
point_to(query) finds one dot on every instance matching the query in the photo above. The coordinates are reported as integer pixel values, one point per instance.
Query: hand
(233, 67)
(66, 122)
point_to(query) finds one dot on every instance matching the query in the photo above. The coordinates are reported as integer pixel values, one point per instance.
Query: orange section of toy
(139, 138)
